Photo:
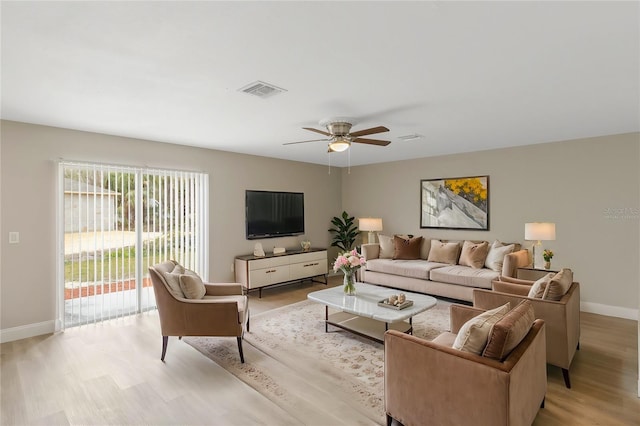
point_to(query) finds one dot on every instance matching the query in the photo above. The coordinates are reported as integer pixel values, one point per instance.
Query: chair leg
(240, 349)
(165, 340)
(567, 381)
(248, 321)
(389, 420)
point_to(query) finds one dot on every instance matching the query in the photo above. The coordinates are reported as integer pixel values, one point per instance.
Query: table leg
(326, 319)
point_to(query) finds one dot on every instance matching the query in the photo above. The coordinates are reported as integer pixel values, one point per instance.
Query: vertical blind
(114, 223)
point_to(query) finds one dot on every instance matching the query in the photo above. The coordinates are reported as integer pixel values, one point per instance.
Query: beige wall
(571, 183)
(29, 175)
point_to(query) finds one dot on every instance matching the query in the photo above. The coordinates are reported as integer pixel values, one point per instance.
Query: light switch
(14, 237)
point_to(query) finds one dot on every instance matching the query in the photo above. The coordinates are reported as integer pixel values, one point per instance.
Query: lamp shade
(370, 224)
(540, 231)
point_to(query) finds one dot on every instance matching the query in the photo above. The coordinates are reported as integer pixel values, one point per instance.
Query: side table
(532, 274)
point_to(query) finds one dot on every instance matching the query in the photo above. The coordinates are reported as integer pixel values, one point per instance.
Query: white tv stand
(296, 265)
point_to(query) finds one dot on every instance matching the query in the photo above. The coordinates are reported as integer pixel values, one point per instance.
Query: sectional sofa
(444, 268)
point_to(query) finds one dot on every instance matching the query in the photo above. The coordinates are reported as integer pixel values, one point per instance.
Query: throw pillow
(539, 287)
(474, 254)
(173, 281)
(509, 331)
(443, 252)
(559, 285)
(407, 249)
(387, 247)
(473, 334)
(192, 286)
(497, 252)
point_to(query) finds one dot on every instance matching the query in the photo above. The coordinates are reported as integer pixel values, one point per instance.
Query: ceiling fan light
(339, 145)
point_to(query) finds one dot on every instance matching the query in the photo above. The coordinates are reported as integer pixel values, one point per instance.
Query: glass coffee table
(361, 314)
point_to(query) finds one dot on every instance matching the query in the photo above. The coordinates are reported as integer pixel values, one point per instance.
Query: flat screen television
(271, 214)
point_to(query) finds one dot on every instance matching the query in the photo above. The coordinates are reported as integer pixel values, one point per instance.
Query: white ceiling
(467, 75)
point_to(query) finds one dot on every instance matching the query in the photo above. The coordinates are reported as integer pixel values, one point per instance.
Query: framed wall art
(455, 203)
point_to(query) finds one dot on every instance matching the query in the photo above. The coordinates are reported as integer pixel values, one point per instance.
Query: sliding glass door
(117, 221)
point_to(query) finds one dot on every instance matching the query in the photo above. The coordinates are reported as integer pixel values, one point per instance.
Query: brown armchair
(561, 317)
(429, 382)
(223, 311)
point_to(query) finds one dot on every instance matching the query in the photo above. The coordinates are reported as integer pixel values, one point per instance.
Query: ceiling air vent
(411, 137)
(261, 89)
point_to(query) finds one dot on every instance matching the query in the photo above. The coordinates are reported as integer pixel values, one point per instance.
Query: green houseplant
(345, 232)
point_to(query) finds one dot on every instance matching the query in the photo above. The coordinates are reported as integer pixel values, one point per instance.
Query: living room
(589, 186)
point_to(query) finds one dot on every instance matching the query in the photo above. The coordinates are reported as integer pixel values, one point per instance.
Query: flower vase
(547, 264)
(349, 283)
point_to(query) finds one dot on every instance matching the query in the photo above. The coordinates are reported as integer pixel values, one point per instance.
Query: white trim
(26, 331)
(610, 311)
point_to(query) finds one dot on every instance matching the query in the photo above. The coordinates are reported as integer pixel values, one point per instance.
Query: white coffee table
(360, 314)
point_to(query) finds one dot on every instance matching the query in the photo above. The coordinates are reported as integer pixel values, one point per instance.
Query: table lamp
(370, 224)
(539, 231)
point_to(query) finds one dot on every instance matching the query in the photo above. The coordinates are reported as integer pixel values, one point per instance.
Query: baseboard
(26, 331)
(608, 310)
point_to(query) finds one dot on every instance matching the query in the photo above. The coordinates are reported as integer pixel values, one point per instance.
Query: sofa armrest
(459, 314)
(513, 261)
(371, 251)
(223, 289)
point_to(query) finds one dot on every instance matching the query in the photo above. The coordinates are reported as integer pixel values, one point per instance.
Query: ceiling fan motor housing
(339, 128)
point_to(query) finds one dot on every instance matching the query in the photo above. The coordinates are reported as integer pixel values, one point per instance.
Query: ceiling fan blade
(371, 141)
(312, 140)
(317, 131)
(371, 131)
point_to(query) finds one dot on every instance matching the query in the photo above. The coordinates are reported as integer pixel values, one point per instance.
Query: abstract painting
(455, 203)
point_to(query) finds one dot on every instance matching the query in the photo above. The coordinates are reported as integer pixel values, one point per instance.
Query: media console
(297, 265)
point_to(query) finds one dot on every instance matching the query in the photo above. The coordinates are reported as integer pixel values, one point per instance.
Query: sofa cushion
(406, 268)
(509, 331)
(474, 254)
(539, 287)
(497, 252)
(192, 286)
(559, 285)
(444, 252)
(407, 249)
(464, 275)
(387, 248)
(473, 335)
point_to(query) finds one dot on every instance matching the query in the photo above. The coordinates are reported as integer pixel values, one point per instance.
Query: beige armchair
(561, 317)
(429, 382)
(223, 311)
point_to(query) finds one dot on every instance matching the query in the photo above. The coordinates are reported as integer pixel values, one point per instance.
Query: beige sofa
(451, 279)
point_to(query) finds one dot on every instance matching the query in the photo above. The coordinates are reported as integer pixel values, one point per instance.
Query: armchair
(561, 317)
(223, 311)
(429, 382)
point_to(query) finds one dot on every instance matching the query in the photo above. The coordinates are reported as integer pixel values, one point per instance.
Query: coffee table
(360, 314)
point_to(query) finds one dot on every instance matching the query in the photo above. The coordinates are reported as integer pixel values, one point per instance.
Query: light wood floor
(111, 374)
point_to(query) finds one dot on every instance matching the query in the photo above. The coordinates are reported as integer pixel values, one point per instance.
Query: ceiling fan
(340, 137)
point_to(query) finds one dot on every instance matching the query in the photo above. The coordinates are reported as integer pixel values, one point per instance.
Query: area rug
(291, 360)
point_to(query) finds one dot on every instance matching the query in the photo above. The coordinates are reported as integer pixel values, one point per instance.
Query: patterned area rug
(293, 362)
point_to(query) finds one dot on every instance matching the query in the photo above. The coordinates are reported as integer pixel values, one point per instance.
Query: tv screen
(272, 214)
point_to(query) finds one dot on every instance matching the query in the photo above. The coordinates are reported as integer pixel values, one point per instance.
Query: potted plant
(345, 232)
(547, 255)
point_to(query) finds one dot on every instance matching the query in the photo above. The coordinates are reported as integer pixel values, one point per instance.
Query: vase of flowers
(349, 262)
(547, 256)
